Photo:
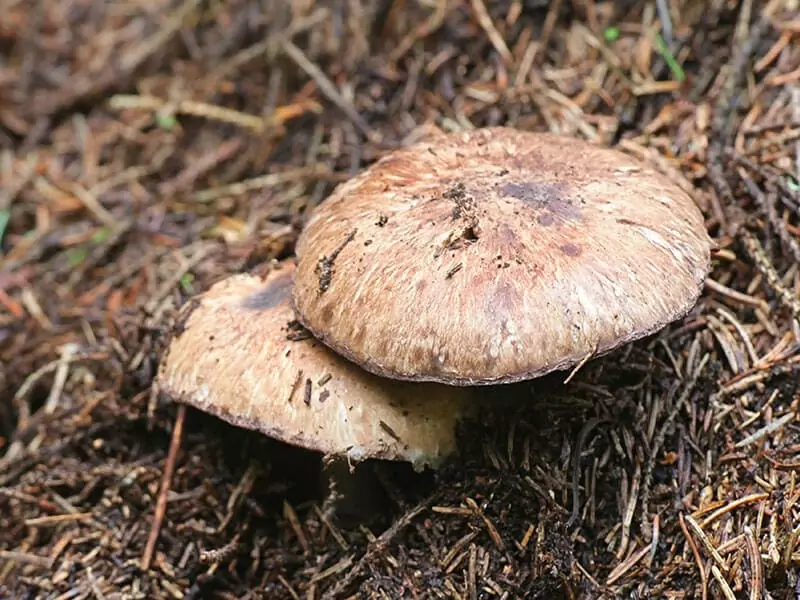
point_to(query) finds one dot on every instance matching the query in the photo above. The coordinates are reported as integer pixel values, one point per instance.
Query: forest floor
(148, 150)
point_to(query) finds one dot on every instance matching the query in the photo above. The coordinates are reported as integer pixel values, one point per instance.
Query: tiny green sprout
(101, 235)
(75, 256)
(611, 34)
(186, 283)
(5, 216)
(672, 63)
(166, 121)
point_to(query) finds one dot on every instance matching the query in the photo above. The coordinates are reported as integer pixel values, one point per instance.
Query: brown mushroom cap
(496, 256)
(232, 358)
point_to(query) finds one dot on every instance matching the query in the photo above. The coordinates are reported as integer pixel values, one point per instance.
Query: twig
(188, 107)
(757, 254)
(658, 441)
(733, 506)
(745, 337)
(490, 527)
(766, 430)
(24, 557)
(326, 86)
(485, 21)
(706, 543)
(258, 183)
(576, 467)
(93, 205)
(696, 554)
(429, 26)
(721, 130)
(269, 46)
(789, 198)
(53, 520)
(93, 583)
(288, 587)
(23, 408)
(161, 502)
(548, 26)
(201, 250)
(68, 351)
(291, 516)
(739, 297)
(758, 375)
(337, 535)
(756, 566)
(380, 544)
(628, 564)
(630, 509)
(767, 205)
(220, 554)
(778, 141)
(724, 585)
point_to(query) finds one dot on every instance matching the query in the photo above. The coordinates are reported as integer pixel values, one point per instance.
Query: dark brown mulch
(150, 149)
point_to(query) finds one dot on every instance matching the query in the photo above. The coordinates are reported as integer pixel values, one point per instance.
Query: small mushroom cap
(496, 256)
(232, 358)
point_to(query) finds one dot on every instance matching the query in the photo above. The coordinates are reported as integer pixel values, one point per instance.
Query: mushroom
(239, 354)
(496, 256)
(242, 357)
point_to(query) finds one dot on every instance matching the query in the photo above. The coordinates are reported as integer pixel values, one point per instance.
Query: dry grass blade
(705, 542)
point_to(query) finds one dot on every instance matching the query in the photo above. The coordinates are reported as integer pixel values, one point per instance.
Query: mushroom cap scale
(241, 356)
(497, 255)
